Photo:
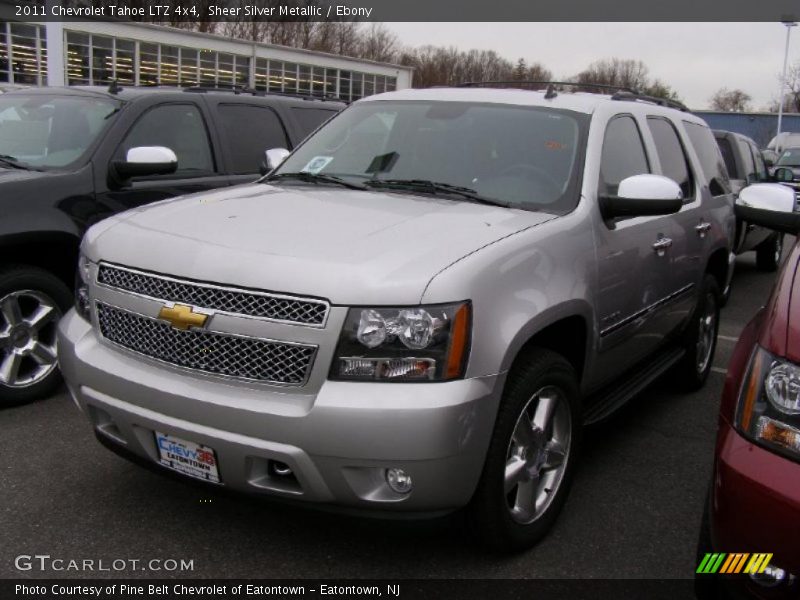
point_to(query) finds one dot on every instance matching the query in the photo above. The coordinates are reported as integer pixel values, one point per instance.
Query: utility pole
(789, 25)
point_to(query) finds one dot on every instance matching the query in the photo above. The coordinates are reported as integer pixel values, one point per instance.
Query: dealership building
(98, 52)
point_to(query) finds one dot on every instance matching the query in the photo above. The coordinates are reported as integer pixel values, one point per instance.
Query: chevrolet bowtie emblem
(182, 317)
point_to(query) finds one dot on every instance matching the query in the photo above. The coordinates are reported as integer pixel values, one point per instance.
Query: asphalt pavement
(634, 509)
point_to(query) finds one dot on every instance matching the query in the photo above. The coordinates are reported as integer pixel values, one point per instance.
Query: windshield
(49, 131)
(789, 158)
(527, 157)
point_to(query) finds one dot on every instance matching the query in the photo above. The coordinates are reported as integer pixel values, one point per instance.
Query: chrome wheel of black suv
(700, 339)
(532, 454)
(31, 303)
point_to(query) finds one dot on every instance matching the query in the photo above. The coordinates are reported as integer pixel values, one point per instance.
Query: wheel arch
(53, 251)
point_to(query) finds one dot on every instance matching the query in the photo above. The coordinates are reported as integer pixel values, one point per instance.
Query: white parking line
(728, 338)
(719, 370)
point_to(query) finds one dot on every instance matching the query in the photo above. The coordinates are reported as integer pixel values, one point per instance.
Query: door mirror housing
(769, 205)
(643, 195)
(274, 158)
(146, 160)
(784, 174)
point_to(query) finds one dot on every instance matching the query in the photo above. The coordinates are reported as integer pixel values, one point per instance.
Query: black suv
(70, 157)
(746, 165)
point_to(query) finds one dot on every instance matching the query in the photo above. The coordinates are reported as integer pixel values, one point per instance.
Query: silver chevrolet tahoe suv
(418, 310)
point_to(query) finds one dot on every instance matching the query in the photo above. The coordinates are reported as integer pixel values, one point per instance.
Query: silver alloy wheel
(707, 332)
(537, 454)
(28, 322)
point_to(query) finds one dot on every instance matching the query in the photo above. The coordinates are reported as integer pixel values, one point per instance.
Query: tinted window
(250, 131)
(674, 163)
(623, 154)
(760, 166)
(308, 119)
(748, 168)
(710, 155)
(727, 154)
(180, 128)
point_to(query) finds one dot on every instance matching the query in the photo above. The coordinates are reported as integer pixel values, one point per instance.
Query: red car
(754, 500)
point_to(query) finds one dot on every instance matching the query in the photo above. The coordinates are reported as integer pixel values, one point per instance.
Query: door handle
(662, 245)
(703, 228)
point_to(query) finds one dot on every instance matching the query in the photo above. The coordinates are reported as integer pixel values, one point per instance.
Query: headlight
(82, 287)
(416, 343)
(769, 403)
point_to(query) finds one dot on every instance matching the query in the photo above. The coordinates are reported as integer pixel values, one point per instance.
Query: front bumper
(338, 440)
(755, 506)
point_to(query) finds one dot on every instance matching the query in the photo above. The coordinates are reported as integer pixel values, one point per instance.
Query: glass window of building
(276, 76)
(242, 71)
(208, 68)
(188, 72)
(148, 64)
(24, 54)
(5, 69)
(290, 78)
(344, 85)
(261, 74)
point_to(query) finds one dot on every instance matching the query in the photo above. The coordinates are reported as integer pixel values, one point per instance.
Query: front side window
(671, 155)
(526, 156)
(250, 131)
(623, 154)
(179, 127)
(51, 131)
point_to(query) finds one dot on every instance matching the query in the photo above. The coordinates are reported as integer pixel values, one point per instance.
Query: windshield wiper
(316, 178)
(434, 187)
(11, 161)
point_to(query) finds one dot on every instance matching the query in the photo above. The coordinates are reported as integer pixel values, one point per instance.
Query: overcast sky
(696, 59)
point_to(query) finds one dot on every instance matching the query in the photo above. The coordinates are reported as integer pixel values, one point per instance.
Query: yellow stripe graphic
(755, 561)
(765, 563)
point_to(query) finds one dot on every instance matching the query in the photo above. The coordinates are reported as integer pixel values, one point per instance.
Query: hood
(14, 175)
(349, 246)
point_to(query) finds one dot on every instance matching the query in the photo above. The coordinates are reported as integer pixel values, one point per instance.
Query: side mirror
(770, 205)
(783, 174)
(275, 156)
(146, 160)
(643, 195)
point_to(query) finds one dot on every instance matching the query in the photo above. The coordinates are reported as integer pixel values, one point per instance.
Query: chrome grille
(230, 300)
(207, 351)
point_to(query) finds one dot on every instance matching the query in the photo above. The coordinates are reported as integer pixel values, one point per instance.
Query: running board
(602, 404)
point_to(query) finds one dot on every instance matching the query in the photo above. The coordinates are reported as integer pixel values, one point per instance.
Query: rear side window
(727, 154)
(709, 150)
(674, 163)
(308, 119)
(179, 127)
(761, 173)
(248, 132)
(623, 154)
(748, 167)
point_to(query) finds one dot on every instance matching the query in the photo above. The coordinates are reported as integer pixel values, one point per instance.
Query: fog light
(280, 469)
(398, 480)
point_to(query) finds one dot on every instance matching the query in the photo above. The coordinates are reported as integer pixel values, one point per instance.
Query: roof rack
(554, 84)
(238, 90)
(633, 96)
(620, 92)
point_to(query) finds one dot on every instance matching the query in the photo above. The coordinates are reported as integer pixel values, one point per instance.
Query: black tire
(693, 369)
(768, 253)
(489, 511)
(24, 286)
